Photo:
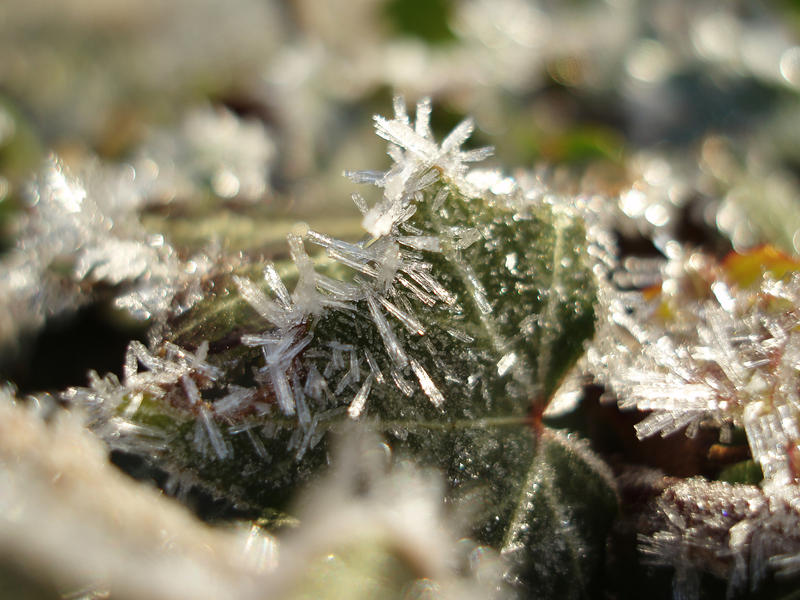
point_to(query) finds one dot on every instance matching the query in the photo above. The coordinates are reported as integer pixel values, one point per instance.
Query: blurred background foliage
(591, 85)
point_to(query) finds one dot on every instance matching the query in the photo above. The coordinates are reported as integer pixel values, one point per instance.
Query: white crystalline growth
(728, 359)
(176, 366)
(740, 533)
(707, 351)
(102, 402)
(90, 222)
(93, 219)
(393, 257)
(160, 373)
(415, 153)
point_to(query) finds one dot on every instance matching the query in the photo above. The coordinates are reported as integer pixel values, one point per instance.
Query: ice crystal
(730, 359)
(415, 153)
(739, 533)
(89, 225)
(419, 163)
(177, 365)
(726, 357)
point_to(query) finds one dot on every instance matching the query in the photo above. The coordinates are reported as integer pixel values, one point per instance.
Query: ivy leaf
(448, 329)
(557, 537)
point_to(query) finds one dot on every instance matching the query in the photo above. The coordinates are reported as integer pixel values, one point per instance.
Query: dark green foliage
(522, 286)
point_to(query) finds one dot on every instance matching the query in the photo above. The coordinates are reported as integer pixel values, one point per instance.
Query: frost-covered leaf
(724, 356)
(715, 345)
(447, 330)
(739, 533)
(73, 526)
(556, 543)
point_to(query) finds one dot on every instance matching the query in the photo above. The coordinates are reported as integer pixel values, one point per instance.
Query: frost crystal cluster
(716, 345)
(88, 229)
(447, 329)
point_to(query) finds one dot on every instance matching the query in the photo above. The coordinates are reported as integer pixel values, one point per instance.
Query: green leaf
(556, 540)
(747, 472)
(428, 21)
(467, 342)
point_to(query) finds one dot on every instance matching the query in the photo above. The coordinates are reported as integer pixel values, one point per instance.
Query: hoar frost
(380, 262)
(726, 356)
(423, 329)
